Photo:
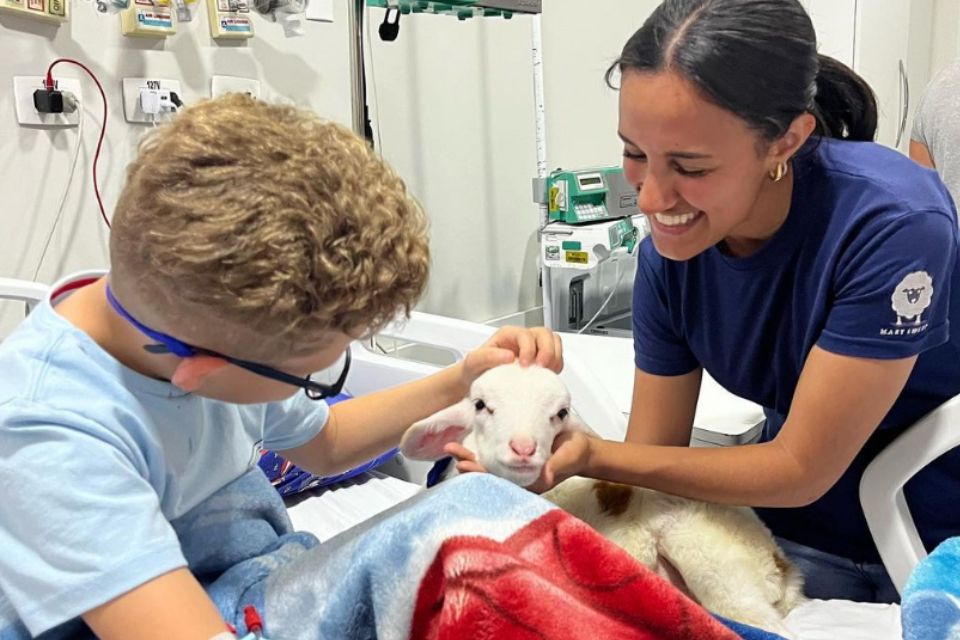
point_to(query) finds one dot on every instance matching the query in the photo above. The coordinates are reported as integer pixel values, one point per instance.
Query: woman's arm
(653, 421)
(838, 403)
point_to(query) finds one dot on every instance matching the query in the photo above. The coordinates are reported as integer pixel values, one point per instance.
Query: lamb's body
(723, 556)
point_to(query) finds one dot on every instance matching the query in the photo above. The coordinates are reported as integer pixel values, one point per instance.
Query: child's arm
(364, 427)
(171, 606)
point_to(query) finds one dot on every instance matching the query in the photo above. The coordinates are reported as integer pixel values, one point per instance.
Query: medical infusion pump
(589, 195)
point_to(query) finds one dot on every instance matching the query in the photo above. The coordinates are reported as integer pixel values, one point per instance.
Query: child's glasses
(168, 344)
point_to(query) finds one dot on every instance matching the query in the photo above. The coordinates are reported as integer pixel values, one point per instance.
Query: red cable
(103, 128)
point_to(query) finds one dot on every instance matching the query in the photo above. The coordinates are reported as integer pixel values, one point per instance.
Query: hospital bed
(599, 371)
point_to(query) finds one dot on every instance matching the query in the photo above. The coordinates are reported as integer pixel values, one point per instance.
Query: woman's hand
(571, 453)
(529, 346)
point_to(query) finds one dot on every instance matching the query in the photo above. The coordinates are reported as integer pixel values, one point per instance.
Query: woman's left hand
(571, 454)
(529, 346)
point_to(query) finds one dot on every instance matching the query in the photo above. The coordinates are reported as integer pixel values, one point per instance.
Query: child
(250, 245)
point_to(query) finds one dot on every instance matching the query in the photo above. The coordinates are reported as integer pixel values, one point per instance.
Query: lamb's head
(509, 420)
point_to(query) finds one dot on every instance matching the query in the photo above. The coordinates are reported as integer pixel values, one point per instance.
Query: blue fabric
(435, 475)
(289, 479)
(830, 577)
(746, 631)
(863, 218)
(102, 459)
(232, 542)
(931, 598)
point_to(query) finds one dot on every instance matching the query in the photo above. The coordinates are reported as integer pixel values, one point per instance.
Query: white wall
(455, 117)
(311, 70)
(454, 103)
(945, 40)
(835, 22)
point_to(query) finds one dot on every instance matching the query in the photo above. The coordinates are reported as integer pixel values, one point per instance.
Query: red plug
(252, 619)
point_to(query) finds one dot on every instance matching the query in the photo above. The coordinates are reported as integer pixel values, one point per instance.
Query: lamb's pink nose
(523, 447)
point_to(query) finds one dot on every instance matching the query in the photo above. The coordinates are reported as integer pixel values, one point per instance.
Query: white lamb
(724, 557)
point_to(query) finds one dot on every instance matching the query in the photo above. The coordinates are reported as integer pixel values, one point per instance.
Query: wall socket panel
(55, 11)
(27, 114)
(220, 85)
(131, 97)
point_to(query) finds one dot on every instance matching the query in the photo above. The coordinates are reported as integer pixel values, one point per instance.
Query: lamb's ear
(425, 439)
(574, 423)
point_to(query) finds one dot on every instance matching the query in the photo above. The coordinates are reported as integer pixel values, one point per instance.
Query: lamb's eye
(479, 405)
(563, 413)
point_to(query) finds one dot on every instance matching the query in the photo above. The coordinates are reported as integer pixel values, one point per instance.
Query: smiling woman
(701, 141)
(700, 170)
(780, 236)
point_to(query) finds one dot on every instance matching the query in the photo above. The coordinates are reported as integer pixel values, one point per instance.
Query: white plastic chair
(881, 488)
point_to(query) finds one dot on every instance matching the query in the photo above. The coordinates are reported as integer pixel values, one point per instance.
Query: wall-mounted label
(238, 25)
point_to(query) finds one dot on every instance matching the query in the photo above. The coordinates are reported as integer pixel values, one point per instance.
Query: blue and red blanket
(475, 558)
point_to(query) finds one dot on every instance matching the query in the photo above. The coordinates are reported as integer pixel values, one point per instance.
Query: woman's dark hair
(757, 59)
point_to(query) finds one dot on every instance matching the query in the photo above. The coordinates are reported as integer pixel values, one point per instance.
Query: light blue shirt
(96, 460)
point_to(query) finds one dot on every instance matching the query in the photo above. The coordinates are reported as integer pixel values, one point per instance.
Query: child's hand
(466, 459)
(529, 346)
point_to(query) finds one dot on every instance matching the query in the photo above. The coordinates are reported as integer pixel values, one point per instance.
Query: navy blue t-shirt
(866, 264)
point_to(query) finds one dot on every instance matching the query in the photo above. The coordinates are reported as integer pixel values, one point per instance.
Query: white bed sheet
(329, 512)
(325, 513)
(845, 620)
(610, 358)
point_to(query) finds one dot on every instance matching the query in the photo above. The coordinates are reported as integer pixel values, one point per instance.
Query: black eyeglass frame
(313, 389)
(169, 344)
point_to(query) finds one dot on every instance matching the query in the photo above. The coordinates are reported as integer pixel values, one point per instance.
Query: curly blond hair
(256, 230)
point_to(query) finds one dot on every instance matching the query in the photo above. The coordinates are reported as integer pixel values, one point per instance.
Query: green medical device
(463, 9)
(589, 195)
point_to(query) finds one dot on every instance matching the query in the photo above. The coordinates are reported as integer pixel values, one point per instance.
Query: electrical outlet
(132, 110)
(56, 11)
(220, 85)
(159, 101)
(27, 114)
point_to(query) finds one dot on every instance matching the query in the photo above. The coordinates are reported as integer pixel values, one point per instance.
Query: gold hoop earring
(777, 174)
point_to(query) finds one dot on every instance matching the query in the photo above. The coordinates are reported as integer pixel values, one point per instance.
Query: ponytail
(845, 105)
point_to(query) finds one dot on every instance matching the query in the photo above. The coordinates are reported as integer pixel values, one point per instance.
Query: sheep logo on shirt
(912, 297)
